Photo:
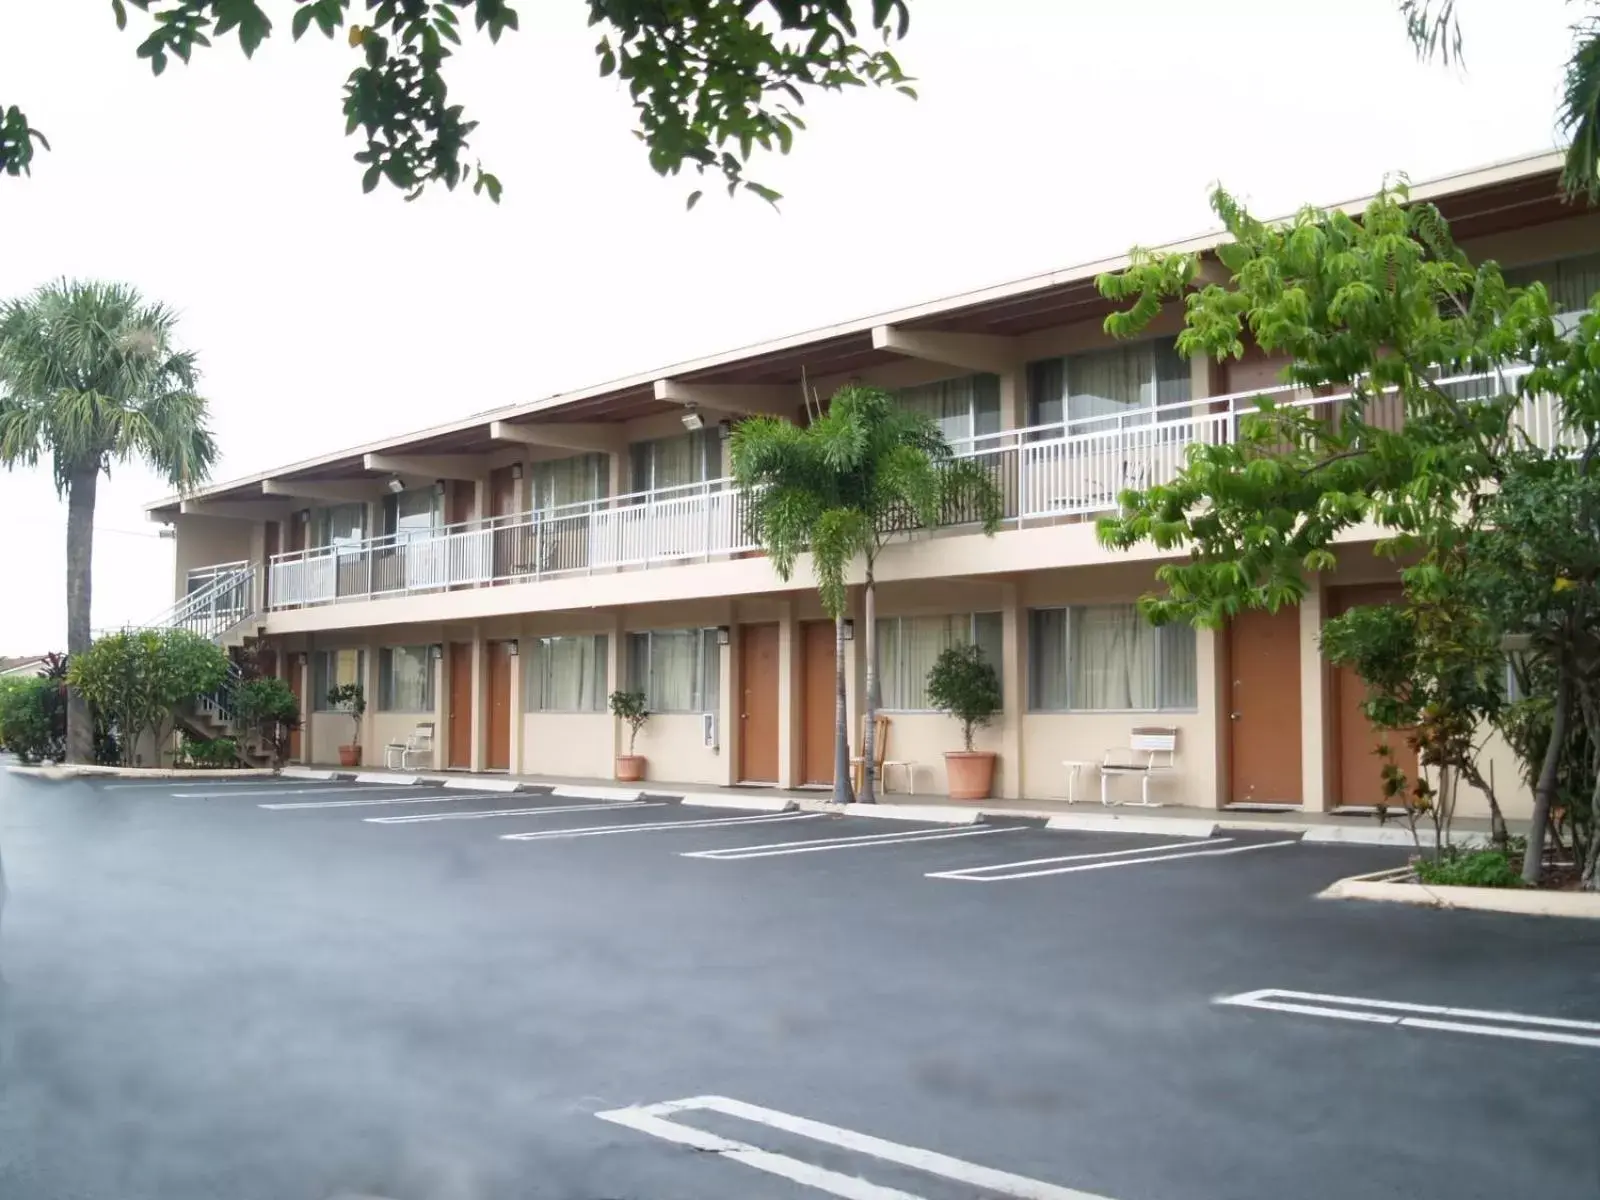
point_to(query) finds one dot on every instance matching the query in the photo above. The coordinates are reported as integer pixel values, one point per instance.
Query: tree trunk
(1544, 795)
(842, 791)
(81, 485)
(869, 720)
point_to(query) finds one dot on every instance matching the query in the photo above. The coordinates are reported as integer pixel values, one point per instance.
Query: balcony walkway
(1176, 820)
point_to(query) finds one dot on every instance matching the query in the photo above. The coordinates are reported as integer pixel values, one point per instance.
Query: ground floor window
(678, 670)
(1108, 658)
(567, 674)
(405, 679)
(908, 646)
(331, 669)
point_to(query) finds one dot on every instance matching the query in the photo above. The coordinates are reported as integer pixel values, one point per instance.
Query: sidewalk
(1172, 820)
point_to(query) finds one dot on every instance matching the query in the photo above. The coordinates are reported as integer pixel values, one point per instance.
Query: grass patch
(1471, 868)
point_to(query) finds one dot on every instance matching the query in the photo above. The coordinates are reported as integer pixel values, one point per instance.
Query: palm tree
(1435, 31)
(841, 488)
(89, 377)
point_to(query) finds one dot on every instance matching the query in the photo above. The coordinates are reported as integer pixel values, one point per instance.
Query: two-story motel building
(499, 575)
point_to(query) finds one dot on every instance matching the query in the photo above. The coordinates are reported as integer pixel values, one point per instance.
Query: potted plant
(350, 698)
(629, 706)
(964, 684)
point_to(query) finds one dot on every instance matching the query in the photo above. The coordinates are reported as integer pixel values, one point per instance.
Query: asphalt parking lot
(264, 990)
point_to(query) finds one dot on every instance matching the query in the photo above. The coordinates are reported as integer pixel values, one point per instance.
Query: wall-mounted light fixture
(438, 651)
(724, 635)
(724, 429)
(301, 658)
(438, 487)
(167, 533)
(692, 420)
(849, 629)
(513, 649)
(516, 470)
(395, 484)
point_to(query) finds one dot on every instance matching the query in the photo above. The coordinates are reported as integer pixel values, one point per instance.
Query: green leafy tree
(964, 684)
(89, 376)
(140, 678)
(1435, 31)
(350, 699)
(32, 724)
(710, 80)
(1375, 315)
(266, 711)
(841, 488)
(631, 708)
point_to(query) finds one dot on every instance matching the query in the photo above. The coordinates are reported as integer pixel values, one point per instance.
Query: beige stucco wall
(577, 744)
(207, 541)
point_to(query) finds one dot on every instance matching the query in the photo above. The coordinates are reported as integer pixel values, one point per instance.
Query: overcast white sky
(1047, 134)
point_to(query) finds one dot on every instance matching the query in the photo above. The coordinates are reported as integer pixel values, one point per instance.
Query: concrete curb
(92, 771)
(745, 803)
(471, 784)
(596, 793)
(1179, 827)
(1380, 886)
(1380, 835)
(386, 778)
(933, 814)
(315, 776)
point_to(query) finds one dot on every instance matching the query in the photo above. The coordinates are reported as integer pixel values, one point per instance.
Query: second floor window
(334, 668)
(413, 514)
(963, 408)
(676, 461)
(678, 670)
(558, 482)
(405, 679)
(1085, 393)
(342, 526)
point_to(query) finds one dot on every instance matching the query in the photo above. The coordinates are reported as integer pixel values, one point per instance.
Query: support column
(1211, 713)
(1313, 692)
(517, 697)
(302, 663)
(441, 703)
(369, 722)
(1014, 708)
(616, 675)
(729, 728)
(1014, 398)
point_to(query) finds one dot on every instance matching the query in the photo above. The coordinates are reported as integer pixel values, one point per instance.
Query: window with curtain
(908, 646)
(962, 408)
(1091, 390)
(670, 462)
(558, 482)
(405, 679)
(1108, 658)
(342, 526)
(679, 670)
(1572, 282)
(416, 513)
(567, 674)
(331, 669)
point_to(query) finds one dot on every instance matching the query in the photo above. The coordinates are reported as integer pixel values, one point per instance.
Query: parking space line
(1394, 1013)
(409, 798)
(655, 1120)
(855, 841)
(420, 818)
(967, 875)
(969, 872)
(601, 830)
(369, 788)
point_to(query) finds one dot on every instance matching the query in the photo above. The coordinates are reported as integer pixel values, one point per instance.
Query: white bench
(1150, 751)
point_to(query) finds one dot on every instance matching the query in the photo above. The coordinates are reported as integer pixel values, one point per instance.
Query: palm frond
(1579, 116)
(1435, 32)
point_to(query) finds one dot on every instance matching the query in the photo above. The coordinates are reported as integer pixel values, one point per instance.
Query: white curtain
(1177, 680)
(405, 679)
(909, 646)
(962, 407)
(1113, 658)
(568, 675)
(331, 669)
(1048, 685)
(1123, 381)
(562, 481)
(1571, 282)
(669, 665)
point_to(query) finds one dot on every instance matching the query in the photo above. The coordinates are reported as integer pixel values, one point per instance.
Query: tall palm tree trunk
(842, 791)
(869, 734)
(82, 483)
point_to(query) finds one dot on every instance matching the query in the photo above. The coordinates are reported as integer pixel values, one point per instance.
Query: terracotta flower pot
(630, 768)
(349, 756)
(970, 772)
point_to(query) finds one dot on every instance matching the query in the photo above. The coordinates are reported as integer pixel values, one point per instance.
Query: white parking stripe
(370, 789)
(972, 872)
(857, 841)
(439, 798)
(1483, 1022)
(169, 783)
(966, 877)
(654, 1120)
(601, 830)
(513, 812)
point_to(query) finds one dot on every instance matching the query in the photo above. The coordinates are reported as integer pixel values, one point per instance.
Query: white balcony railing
(1076, 468)
(221, 597)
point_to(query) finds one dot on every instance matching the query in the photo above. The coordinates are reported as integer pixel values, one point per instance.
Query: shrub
(1471, 868)
(210, 752)
(33, 718)
(351, 699)
(265, 709)
(630, 707)
(964, 684)
(136, 679)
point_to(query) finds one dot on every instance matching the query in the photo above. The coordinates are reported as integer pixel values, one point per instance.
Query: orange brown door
(297, 686)
(1359, 768)
(497, 751)
(1264, 707)
(818, 690)
(758, 711)
(460, 711)
(459, 498)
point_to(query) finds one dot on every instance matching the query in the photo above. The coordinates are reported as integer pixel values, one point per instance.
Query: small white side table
(1073, 766)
